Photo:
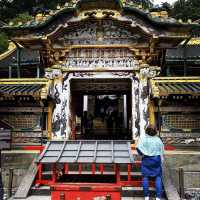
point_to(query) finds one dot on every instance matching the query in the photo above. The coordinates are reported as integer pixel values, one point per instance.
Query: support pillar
(143, 100)
(135, 108)
(152, 120)
(66, 118)
(146, 117)
(61, 94)
(125, 111)
(56, 118)
(85, 103)
(49, 119)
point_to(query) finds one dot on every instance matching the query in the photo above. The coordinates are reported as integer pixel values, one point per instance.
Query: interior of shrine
(100, 109)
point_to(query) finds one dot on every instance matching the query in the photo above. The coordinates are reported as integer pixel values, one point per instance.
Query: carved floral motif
(108, 32)
(94, 58)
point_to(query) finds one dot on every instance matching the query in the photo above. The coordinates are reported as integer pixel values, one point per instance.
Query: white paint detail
(85, 103)
(57, 89)
(67, 96)
(143, 100)
(134, 108)
(138, 85)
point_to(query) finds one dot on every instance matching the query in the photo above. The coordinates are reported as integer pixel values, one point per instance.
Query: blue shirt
(151, 148)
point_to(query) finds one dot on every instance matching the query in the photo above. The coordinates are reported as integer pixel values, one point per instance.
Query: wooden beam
(24, 81)
(178, 109)
(49, 119)
(22, 109)
(100, 69)
(152, 119)
(177, 79)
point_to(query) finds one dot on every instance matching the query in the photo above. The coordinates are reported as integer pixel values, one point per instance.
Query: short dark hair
(151, 130)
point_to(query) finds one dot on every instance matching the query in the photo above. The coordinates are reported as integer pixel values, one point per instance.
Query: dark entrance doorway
(101, 109)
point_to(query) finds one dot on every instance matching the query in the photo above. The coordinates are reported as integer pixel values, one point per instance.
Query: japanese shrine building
(93, 53)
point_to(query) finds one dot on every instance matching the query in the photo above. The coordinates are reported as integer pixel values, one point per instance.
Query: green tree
(144, 3)
(186, 9)
(23, 17)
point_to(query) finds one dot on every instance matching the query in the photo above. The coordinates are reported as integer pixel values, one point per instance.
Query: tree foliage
(144, 3)
(186, 9)
(22, 17)
(10, 9)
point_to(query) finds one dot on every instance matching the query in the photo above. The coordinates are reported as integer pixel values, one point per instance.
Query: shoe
(146, 198)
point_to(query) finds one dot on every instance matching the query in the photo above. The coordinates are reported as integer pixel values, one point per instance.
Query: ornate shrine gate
(99, 50)
(122, 66)
(97, 42)
(94, 41)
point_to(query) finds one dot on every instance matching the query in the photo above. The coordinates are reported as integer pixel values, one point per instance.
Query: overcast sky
(161, 1)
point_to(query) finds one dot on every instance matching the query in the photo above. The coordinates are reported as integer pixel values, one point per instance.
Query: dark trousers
(158, 186)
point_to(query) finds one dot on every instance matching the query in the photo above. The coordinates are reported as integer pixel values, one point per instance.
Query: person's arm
(139, 152)
(138, 143)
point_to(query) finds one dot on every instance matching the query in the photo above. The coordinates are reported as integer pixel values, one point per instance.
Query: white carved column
(66, 120)
(55, 92)
(145, 73)
(85, 103)
(61, 95)
(125, 110)
(143, 100)
(135, 110)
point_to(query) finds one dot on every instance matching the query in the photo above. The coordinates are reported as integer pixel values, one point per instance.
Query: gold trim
(49, 119)
(11, 48)
(157, 94)
(42, 94)
(194, 79)
(23, 81)
(100, 46)
(152, 119)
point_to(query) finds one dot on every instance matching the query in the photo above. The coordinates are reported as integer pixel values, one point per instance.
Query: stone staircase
(28, 189)
(127, 193)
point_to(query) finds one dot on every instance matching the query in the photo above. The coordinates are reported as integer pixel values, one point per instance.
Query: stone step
(89, 172)
(24, 187)
(40, 191)
(128, 192)
(136, 192)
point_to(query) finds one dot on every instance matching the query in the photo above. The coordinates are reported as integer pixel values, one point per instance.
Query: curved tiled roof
(27, 56)
(156, 20)
(24, 87)
(126, 8)
(193, 42)
(34, 25)
(165, 86)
